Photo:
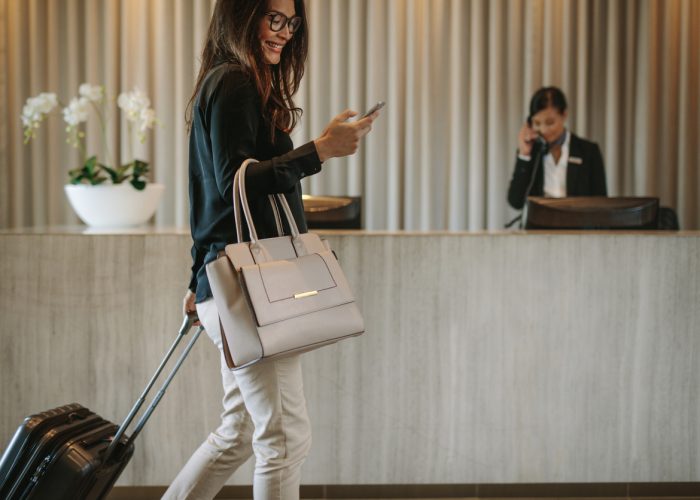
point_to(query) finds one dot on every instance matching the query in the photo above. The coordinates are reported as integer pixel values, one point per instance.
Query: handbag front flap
(284, 289)
(273, 249)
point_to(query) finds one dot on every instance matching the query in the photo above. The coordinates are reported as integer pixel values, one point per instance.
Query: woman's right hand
(526, 138)
(341, 137)
(188, 305)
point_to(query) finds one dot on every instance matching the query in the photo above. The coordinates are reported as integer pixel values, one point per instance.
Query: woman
(569, 165)
(242, 107)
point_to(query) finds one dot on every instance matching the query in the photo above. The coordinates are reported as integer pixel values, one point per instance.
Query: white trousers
(265, 414)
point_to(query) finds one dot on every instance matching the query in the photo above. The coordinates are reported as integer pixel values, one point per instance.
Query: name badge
(575, 160)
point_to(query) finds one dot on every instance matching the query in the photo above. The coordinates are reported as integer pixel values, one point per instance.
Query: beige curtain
(456, 74)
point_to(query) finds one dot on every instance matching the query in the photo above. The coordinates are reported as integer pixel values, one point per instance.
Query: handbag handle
(240, 200)
(276, 213)
(237, 210)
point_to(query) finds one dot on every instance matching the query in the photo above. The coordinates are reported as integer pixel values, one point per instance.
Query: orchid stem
(129, 141)
(103, 130)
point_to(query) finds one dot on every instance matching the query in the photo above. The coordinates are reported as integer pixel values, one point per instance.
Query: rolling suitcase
(72, 453)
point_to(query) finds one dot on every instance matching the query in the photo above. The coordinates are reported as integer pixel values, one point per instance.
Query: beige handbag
(278, 296)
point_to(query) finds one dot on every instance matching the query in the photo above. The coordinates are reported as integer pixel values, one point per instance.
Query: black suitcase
(72, 453)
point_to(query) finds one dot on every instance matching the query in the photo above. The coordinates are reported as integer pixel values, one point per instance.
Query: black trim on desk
(687, 490)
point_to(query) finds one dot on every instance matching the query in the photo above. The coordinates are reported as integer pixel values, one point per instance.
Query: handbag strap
(276, 213)
(237, 210)
(240, 201)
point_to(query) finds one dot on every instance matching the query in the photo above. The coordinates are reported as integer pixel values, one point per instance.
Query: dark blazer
(586, 178)
(228, 126)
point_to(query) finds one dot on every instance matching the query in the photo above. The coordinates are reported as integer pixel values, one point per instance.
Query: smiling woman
(242, 107)
(277, 28)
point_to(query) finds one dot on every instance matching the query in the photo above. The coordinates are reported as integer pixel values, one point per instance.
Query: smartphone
(374, 108)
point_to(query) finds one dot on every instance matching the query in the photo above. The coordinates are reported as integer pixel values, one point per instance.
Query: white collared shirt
(555, 173)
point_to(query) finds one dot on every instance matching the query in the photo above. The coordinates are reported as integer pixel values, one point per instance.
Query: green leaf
(90, 165)
(90, 172)
(112, 173)
(75, 175)
(140, 168)
(97, 180)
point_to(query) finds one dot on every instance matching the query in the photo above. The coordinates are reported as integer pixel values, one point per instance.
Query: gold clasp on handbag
(305, 294)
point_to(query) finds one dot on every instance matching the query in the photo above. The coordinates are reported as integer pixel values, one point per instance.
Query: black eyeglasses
(278, 21)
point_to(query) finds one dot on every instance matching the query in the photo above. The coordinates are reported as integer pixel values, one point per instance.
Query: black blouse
(227, 128)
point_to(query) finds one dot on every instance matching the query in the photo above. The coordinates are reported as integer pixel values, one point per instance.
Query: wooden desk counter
(488, 358)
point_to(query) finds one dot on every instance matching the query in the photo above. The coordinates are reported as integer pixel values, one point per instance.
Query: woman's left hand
(341, 137)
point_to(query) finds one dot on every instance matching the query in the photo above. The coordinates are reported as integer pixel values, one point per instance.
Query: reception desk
(514, 357)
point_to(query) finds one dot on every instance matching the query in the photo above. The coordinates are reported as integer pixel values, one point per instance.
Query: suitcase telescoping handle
(187, 323)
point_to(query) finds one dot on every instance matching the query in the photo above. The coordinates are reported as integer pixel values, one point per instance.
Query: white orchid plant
(140, 119)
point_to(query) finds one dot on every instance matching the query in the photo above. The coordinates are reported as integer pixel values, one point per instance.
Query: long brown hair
(233, 37)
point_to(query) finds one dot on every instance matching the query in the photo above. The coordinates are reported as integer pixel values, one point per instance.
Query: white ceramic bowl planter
(114, 205)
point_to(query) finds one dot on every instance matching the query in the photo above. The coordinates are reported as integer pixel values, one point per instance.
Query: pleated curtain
(457, 76)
